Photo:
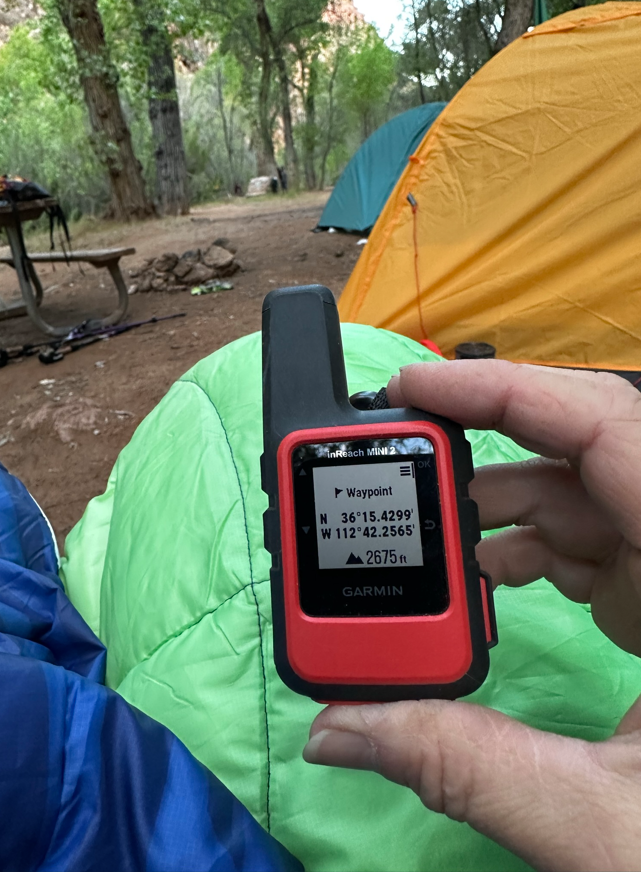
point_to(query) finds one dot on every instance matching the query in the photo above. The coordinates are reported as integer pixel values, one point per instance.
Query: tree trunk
(330, 119)
(111, 139)
(164, 112)
(266, 158)
(516, 20)
(291, 158)
(267, 41)
(308, 89)
(417, 54)
(227, 128)
(491, 48)
(441, 86)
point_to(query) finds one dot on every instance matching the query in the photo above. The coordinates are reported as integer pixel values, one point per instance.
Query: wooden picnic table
(11, 217)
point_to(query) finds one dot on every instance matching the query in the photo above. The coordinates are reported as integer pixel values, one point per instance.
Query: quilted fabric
(168, 567)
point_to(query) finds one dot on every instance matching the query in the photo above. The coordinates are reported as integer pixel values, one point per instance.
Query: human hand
(559, 803)
(577, 508)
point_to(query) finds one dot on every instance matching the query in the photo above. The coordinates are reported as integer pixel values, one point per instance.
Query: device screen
(369, 532)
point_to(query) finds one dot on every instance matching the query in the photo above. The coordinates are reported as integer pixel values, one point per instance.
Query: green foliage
(343, 83)
(558, 7)
(345, 79)
(366, 79)
(446, 42)
(44, 128)
(337, 159)
(216, 129)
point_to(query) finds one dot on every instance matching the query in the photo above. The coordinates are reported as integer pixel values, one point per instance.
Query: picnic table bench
(30, 286)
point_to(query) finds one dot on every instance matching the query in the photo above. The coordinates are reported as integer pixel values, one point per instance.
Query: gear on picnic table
(15, 189)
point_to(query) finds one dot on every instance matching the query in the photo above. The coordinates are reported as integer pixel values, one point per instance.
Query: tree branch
(486, 36)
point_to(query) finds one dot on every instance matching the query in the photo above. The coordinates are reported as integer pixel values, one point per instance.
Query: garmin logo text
(385, 590)
(368, 493)
(338, 453)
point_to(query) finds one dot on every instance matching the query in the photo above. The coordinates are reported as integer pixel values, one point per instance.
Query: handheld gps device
(376, 591)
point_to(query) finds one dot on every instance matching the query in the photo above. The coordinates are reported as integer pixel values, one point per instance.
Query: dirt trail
(62, 426)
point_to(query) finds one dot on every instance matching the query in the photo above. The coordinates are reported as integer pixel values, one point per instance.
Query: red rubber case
(361, 659)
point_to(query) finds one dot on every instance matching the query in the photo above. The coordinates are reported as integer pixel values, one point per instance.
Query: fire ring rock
(198, 274)
(218, 258)
(166, 262)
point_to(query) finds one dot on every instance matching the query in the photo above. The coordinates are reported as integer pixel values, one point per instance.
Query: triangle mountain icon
(353, 558)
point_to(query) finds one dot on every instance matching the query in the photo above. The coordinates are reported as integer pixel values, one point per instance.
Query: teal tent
(369, 177)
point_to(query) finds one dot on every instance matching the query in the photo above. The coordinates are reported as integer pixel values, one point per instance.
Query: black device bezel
(391, 591)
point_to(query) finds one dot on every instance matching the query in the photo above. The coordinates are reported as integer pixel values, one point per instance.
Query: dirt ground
(62, 426)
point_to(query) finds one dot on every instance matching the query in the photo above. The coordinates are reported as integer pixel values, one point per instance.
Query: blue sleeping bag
(88, 782)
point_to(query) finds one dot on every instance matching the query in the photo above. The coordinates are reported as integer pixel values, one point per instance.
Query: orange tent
(526, 226)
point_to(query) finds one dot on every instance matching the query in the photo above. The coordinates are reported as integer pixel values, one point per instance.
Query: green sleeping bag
(168, 567)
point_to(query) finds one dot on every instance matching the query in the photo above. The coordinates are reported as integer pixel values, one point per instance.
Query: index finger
(591, 419)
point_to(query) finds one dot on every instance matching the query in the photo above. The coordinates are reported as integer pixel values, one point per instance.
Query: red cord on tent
(424, 341)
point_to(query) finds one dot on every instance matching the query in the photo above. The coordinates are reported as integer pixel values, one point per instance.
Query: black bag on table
(14, 190)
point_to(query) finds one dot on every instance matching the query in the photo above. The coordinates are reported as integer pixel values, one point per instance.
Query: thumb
(528, 790)
(631, 721)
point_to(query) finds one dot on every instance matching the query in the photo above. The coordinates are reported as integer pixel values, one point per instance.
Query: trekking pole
(75, 340)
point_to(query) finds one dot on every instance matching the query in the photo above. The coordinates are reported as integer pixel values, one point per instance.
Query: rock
(218, 258)
(166, 262)
(158, 283)
(223, 242)
(165, 282)
(132, 289)
(198, 274)
(183, 267)
(144, 282)
(171, 272)
(259, 185)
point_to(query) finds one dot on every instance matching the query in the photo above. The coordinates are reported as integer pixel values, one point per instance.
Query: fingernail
(340, 748)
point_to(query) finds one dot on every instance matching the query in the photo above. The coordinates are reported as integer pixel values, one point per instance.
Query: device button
(470, 521)
(466, 461)
(271, 530)
(489, 615)
(463, 489)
